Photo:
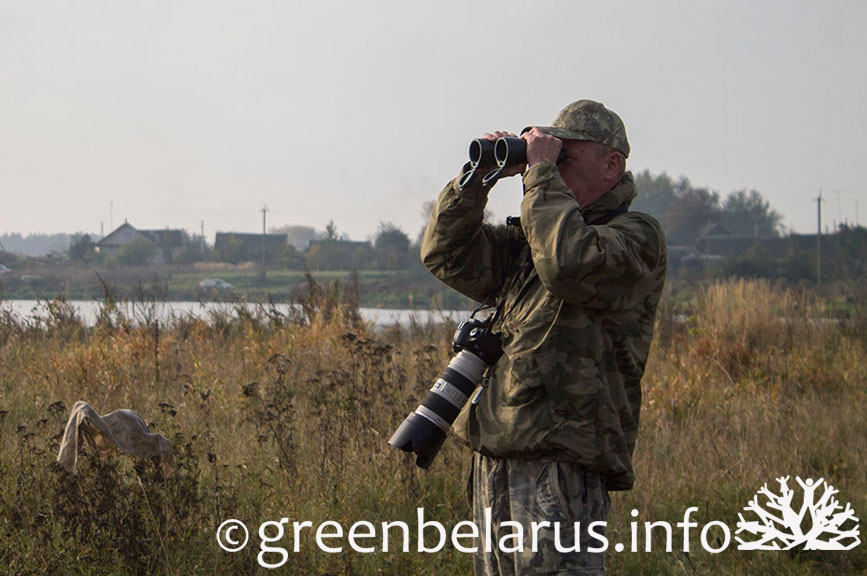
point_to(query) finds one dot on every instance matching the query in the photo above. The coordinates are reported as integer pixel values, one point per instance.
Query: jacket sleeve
(459, 249)
(606, 267)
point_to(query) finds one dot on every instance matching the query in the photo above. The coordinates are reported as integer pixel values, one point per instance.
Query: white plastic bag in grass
(121, 429)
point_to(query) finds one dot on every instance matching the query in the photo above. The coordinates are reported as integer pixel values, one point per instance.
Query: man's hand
(512, 170)
(541, 147)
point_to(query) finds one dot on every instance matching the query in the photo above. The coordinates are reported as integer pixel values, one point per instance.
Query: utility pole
(264, 269)
(819, 240)
(202, 239)
(111, 215)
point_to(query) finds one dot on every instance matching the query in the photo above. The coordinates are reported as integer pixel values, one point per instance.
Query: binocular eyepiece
(496, 156)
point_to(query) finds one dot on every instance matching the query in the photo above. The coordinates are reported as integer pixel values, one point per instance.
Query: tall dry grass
(274, 417)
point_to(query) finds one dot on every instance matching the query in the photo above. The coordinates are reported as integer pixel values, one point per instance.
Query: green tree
(287, 257)
(330, 232)
(339, 255)
(656, 194)
(137, 252)
(391, 247)
(749, 214)
(682, 209)
(230, 250)
(756, 262)
(82, 248)
(846, 253)
(693, 209)
(194, 251)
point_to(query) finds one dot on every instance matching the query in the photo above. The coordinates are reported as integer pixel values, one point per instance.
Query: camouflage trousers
(525, 492)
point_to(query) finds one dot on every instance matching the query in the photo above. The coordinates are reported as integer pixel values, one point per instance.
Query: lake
(88, 310)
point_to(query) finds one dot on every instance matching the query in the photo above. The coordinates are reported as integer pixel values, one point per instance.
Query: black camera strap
(611, 214)
(603, 219)
(499, 294)
(499, 297)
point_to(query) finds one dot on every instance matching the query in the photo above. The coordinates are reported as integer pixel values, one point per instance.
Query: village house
(167, 243)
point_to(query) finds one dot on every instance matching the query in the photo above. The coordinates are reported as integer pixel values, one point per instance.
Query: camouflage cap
(590, 120)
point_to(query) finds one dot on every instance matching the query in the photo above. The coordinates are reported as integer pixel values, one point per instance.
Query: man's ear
(614, 166)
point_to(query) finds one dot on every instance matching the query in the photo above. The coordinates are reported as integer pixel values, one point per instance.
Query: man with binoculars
(576, 283)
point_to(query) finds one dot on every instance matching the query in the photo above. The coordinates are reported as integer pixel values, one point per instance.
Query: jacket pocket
(523, 381)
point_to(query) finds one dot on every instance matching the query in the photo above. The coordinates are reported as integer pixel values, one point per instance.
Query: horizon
(830, 225)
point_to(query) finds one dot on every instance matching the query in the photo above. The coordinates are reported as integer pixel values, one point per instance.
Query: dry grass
(275, 417)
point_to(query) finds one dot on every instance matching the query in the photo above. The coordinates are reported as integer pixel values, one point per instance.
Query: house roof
(113, 236)
(713, 229)
(356, 243)
(167, 237)
(245, 236)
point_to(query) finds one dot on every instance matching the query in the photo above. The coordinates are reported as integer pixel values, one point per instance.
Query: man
(577, 284)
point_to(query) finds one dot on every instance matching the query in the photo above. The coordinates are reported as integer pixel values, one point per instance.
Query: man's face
(583, 170)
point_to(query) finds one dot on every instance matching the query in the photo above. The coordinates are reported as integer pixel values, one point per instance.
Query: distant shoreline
(397, 289)
(166, 312)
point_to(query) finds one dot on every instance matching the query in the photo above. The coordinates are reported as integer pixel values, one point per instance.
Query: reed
(274, 417)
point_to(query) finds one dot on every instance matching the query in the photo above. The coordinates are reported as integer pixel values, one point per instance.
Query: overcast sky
(358, 112)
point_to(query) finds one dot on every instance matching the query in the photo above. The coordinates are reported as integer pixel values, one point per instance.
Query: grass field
(274, 417)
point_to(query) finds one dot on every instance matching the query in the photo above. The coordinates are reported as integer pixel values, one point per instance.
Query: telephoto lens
(424, 431)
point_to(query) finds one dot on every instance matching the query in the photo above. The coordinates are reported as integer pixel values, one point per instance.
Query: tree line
(390, 249)
(685, 210)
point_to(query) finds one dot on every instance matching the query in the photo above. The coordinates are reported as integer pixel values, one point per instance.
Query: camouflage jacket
(578, 299)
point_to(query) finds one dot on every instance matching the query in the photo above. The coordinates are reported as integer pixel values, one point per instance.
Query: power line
(819, 240)
(264, 212)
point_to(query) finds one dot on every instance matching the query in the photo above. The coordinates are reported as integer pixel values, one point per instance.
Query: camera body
(424, 431)
(476, 337)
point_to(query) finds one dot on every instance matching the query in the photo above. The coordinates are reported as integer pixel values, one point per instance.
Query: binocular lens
(507, 152)
(503, 153)
(481, 152)
(510, 152)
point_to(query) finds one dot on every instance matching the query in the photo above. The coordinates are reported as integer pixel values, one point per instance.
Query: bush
(136, 253)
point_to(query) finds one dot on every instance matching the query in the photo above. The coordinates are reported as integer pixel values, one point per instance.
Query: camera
(424, 431)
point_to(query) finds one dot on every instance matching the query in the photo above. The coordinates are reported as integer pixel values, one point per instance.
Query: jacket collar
(623, 193)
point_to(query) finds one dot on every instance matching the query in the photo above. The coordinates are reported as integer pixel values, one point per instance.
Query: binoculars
(493, 157)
